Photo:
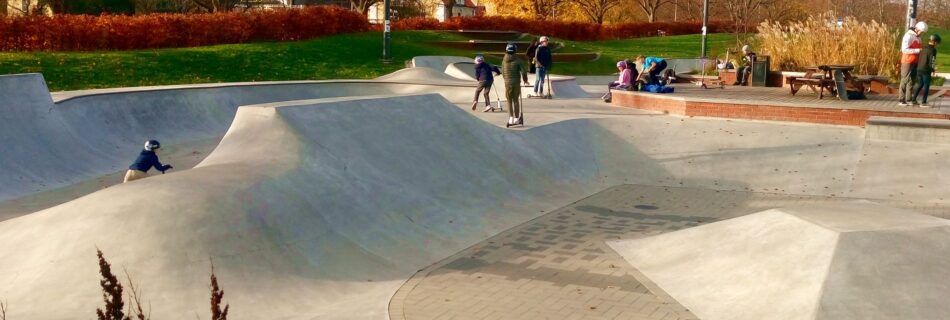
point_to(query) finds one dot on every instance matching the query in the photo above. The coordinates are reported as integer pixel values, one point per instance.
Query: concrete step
(904, 129)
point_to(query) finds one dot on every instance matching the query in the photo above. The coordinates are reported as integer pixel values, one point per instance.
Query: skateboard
(839, 85)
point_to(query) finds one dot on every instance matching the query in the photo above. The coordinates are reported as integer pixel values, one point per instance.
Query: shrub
(119, 32)
(577, 31)
(871, 47)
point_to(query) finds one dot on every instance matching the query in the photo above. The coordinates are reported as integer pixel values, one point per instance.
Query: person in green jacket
(926, 66)
(513, 68)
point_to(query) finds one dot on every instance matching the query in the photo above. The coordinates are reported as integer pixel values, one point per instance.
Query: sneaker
(488, 108)
(474, 104)
(902, 104)
(914, 103)
(924, 105)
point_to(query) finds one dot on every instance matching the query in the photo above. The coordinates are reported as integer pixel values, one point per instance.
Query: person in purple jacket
(624, 80)
(147, 159)
(483, 73)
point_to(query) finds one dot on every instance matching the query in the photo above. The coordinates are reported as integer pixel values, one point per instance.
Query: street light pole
(387, 36)
(911, 13)
(705, 22)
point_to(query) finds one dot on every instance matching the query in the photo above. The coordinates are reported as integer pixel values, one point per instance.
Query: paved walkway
(558, 266)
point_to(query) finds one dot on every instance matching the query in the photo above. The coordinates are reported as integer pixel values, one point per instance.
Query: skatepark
(390, 199)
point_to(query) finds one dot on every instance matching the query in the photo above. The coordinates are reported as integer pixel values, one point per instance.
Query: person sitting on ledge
(624, 81)
(147, 159)
(745, 68)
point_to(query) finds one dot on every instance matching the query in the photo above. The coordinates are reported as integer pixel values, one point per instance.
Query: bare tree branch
(651, 7)
(595, 10)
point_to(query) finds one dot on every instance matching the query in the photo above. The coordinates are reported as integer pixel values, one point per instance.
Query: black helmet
(151, 145)
(935, 38)
(511, 48)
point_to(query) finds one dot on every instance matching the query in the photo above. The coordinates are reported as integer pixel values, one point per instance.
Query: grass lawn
(351, 56)
(943, 50)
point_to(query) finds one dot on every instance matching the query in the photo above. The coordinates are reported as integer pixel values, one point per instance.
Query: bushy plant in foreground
(120, 32)
(577, 31)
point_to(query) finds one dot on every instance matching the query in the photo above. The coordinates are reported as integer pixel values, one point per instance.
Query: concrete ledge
(761, 110)
(913, 130)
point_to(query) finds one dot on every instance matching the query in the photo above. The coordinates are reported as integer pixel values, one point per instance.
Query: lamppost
(911, 13)
(705, 22)
(387, 36)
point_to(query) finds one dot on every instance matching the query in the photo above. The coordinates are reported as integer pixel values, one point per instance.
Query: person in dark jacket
(926, 66)
(147, 159)
(530, 53)
(745, 69)
(543, 63)
(483, 73)
(512, 70)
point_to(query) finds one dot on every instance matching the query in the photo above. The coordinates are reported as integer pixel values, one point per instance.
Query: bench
(796, 84)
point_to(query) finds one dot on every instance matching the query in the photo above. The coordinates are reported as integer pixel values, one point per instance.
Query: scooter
(520, 114)
(547, 95)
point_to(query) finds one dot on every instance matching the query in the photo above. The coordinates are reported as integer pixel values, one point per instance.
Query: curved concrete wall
(92, 133)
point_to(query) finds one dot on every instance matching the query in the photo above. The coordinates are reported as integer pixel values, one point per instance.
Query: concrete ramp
(420, 74)
(850, 261)
(310, 209)
(437, 62)
(88, 134)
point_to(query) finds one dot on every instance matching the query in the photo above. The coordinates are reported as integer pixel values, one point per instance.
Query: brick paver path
(558, 267)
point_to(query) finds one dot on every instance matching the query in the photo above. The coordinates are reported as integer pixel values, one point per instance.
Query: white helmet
(745, 48)
(543, 39)
(921, 26)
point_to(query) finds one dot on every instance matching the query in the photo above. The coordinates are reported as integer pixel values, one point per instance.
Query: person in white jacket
(910, 52)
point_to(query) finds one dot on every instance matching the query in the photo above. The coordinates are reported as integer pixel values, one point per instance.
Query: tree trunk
(449, 5)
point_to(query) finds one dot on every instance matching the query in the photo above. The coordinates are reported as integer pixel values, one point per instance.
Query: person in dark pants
(483, 73)
(910, 53)
(926, 66)
(651, 68)
(147, 159)
(748, 58)
(513, 69)
(530, 53)
(543, 63)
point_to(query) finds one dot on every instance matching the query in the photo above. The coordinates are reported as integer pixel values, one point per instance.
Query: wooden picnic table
(821, 78)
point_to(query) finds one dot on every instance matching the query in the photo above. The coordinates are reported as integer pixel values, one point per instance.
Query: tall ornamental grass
(871, 47)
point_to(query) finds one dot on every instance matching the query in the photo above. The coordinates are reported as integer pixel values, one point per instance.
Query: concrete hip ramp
(855, 260)
(77, 136)
(309, 209)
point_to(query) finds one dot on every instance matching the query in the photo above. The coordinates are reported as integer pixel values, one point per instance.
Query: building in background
(426, 8)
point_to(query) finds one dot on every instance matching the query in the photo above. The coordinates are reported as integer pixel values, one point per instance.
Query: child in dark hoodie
(147, 159)
(926, 66)
(483, 73)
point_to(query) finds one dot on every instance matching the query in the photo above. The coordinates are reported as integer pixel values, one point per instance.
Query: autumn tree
(651, 7)
(596, 10)
(362, 6)
(216, 5)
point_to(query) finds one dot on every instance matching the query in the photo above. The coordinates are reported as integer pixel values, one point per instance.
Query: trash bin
(760, 72)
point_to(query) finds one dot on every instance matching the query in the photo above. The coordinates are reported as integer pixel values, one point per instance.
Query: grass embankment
(351, 56)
